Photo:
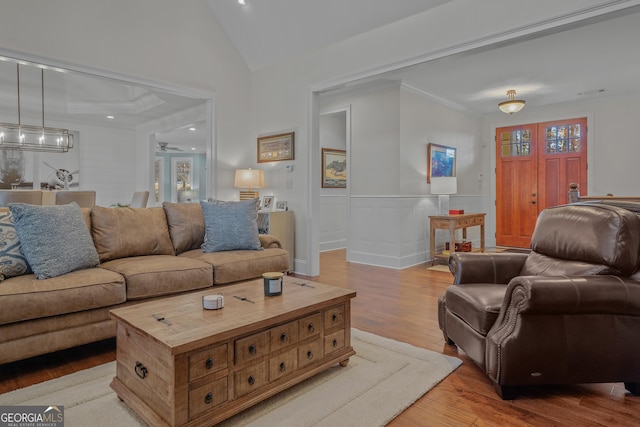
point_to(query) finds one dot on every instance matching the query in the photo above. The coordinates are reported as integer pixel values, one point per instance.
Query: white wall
(282, 94)
(179, 44)
(333, 201)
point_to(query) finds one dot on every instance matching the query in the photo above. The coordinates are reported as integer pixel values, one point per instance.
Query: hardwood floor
(402, 305)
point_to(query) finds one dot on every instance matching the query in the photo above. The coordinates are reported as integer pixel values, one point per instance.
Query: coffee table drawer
(283, 364)
(333, 342)
(309, 353)
(207, 361)
(283, 335)
(251, 347)
(207, 397)
(250, 378)
(334, 317)
(310, 326)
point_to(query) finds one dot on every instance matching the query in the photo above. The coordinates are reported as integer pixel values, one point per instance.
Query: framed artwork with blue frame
(441, 161)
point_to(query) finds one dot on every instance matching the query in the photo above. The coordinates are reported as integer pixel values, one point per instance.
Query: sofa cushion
(156, 275)
(25, 297)
(124, 232)
(186, 225)
(12, 261)
(233, 266)
(54, 239)
(231, 226)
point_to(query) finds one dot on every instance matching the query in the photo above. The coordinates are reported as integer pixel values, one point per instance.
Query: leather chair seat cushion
(477, 304)
(26, 297)
(158, 275)
(233, 266)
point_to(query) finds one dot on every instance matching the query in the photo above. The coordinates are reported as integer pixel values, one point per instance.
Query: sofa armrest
(570, 295)
(267, 241)
(496, 268)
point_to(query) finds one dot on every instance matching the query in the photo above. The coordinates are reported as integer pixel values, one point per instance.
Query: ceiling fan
(164, 146)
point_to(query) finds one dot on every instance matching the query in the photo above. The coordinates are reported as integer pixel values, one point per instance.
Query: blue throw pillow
(54, 239)
(12, 261)
(231, 226)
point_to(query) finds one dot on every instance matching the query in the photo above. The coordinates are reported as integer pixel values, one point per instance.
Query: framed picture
(334, 168)
(267, 203)
(441, 161)
(281, 205)
(275, 148)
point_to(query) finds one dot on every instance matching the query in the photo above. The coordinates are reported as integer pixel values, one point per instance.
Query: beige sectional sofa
(144, 253)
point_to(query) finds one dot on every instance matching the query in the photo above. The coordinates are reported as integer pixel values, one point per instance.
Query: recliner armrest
(497, 268)
(572, 295)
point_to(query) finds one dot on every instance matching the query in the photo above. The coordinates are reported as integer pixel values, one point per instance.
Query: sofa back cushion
(584, 239)
(186, 225)
(124, 232)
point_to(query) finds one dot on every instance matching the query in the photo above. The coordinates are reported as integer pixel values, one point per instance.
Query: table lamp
(443, 186)
(249, 178)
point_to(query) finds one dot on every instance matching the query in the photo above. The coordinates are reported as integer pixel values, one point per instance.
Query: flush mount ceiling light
(512, 105)
(34, 138)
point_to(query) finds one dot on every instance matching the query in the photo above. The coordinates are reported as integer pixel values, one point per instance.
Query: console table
(453, 223)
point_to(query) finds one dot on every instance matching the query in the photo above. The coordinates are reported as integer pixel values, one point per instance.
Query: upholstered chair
(20, 196)
(566, 313)
(139, 199)
(86, 199)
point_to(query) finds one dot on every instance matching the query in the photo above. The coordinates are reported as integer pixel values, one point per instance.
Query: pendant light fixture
(34, 138)
(512, 105)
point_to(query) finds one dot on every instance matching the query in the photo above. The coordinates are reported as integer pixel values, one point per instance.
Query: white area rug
(380, 381)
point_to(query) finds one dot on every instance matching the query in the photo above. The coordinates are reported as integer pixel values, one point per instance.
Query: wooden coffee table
(181, 365)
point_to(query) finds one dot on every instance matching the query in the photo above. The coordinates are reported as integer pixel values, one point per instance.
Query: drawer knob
(141, 370)
(284, 337)
(251, 380)
(282, 367)
(253, 349)
(335, 342)
(309, 354)
(208, 398)
(209, 363)
(310, 327)
(334, 318)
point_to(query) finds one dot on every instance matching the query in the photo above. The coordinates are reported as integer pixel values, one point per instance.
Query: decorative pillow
(54, 239)
(231, 226)
(125, 232)
(186, 225)
(12, 261)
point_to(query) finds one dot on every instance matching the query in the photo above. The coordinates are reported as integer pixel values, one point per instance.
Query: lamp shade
(444, 185)
(249, 178)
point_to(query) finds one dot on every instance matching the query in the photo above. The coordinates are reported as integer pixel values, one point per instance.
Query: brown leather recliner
(566, 313)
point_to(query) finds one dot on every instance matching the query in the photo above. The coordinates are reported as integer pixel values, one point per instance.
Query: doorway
(535, 163)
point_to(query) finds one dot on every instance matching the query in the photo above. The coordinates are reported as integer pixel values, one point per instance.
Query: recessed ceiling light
(192, 129)
(591, 92)
(111, 117)
(242, 3)
(193, 148)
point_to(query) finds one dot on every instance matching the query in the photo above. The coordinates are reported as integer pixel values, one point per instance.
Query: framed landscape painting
(334, 168)
(441, 161)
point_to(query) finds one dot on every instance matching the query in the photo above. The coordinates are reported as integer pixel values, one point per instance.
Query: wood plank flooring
(402, 305)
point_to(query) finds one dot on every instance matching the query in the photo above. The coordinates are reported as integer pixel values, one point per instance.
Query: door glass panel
(515, 143)
(563, 139)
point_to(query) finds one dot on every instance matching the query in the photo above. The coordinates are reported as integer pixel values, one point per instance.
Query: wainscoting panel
(333, 222)
(393, 231)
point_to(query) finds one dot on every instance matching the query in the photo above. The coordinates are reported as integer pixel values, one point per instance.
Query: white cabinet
(279, 224)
